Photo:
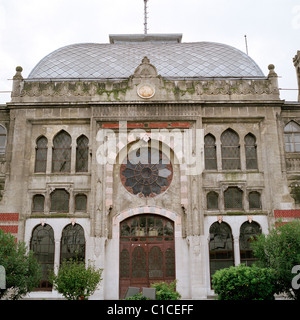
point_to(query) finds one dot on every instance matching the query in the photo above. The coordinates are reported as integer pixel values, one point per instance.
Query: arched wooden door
(147, 251)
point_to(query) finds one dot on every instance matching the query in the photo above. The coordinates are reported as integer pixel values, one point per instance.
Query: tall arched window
(3, 136)
(292, 137)
(233, 198)
(221, 253)
(41, 150)
(82, 154)
(248, 233)
(59, 201)
(250, 151)
(42, 244)
(72, 243)
(230, 150)
(210, 152)
(61, 157)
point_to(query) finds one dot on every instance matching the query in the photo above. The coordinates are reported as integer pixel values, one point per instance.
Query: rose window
(146, 172)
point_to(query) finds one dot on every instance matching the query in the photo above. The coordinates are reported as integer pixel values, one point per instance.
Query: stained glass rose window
(146, 172)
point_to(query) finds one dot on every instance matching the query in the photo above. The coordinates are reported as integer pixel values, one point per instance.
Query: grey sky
(31, 29)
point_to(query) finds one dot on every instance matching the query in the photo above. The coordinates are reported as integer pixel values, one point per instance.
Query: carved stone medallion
(146, 91)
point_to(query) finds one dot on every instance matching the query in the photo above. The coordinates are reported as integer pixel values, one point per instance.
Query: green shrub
(280, 250)
(138, 296)
(245, 283)
(166, 291)
(23, 272)
(76, 282)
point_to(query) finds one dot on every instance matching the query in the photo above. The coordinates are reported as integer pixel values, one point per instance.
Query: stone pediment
(145, 70)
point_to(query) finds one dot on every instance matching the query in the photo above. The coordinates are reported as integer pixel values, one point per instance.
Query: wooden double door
(147, 252)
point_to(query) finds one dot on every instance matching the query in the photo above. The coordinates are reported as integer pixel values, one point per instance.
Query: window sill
(54, 215)
(235, 213)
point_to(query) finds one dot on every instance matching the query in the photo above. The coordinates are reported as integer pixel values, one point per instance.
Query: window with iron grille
(292, 137)
(254, 200)
(61, 157)
(210, 153)
(212, 200)
(233, 198)
(82, 154)
(72, 243)
(2, 139)
(38, 203)
(80, 202)
(248, 233)
(230, 150)
(41, 150)
(42, 244)
(60, 201)
(250, 150)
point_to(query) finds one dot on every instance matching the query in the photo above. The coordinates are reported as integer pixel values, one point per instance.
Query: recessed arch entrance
(147, 251)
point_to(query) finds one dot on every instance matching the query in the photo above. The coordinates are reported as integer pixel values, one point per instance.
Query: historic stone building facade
(154, 158)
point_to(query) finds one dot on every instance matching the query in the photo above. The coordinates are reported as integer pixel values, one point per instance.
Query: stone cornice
(165, 90)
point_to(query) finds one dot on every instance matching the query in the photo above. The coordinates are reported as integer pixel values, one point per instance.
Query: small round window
(146, 172)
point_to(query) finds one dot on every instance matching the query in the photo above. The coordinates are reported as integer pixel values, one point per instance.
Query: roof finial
(145, 14)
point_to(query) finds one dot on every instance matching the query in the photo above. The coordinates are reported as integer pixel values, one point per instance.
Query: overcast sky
(31, 29)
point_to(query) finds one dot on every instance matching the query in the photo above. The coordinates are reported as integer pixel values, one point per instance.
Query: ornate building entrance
(147, 251)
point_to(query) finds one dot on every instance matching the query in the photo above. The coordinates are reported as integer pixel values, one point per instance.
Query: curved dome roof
(172, 60)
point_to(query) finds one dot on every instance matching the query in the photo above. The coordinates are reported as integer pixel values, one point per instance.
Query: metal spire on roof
(145, 14)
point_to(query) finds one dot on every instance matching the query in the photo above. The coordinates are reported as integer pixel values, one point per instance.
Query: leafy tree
(23, 272)
(76, 282)
(245, 283)
(280, 250)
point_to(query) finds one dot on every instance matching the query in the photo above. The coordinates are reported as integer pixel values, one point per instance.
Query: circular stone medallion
(146, 91)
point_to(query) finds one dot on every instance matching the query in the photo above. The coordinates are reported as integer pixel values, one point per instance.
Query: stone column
(197, 250)
(97, 252)
(56, 255)
(236, 245)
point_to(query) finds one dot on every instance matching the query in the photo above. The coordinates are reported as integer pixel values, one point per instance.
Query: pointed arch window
(82, 154)
(292, 137)
(41, 151)
(61, 158)
(230, 150)
(250, 151)
(42, 244)
(3, 136)
(72, 243)
(210, 152)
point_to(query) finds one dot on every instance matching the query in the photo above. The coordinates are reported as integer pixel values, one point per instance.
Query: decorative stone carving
(145, 70)
(146, 91)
